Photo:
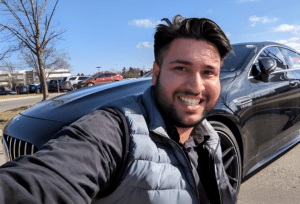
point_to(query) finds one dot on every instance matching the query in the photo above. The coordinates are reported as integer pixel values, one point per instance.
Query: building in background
(22, 77)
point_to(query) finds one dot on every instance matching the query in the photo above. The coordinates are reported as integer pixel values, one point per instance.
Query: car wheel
(74, 87)
(230, 154)
(90, 84)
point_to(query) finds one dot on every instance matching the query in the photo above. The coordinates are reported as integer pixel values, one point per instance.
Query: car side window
(1, 89)
(292, 58)
(101, 76)
(73, 78)
(274, 53)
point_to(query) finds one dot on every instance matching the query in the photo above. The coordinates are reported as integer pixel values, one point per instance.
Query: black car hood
(75, 104)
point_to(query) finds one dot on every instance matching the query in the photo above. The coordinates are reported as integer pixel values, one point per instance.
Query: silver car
(70, 83)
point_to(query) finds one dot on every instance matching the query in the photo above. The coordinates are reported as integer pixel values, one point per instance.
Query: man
(153, 148)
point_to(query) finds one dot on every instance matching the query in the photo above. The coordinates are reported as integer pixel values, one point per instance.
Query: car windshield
(93, 76)
(236, 58)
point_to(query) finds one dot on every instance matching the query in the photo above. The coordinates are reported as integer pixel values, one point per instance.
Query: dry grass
(18, 96)
(25, 95)
(6, 115)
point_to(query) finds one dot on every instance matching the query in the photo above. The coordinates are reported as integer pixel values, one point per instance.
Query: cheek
(214, 90)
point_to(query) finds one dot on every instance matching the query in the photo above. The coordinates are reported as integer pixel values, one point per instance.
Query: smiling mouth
(191, 102)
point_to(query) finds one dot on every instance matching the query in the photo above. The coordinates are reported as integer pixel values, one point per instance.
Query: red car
(103, 77)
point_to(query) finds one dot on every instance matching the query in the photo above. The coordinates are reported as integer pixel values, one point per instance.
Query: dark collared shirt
(190, 149)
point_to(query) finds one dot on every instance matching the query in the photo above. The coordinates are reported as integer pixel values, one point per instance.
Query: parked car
(257, 116)
(81, 84)
(34, 88)
(21, 89)
(70, 83)
(103, 77)
(53, 84)
(6, 91)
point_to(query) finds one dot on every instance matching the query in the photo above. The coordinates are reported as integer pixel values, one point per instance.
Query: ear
(155, 73)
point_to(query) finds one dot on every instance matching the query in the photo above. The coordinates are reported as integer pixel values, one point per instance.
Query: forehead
(192, 50)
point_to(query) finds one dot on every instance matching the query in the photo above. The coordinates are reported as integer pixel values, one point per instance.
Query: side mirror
(267, 66)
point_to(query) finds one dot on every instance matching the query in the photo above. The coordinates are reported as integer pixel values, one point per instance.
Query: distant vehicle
(103, 77)
(6, 91)
(21, 89)
(70, 83)
(81, 84)
(53, 84)
(34, 88)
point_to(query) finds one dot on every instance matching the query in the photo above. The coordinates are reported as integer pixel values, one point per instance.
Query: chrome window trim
(250, 77)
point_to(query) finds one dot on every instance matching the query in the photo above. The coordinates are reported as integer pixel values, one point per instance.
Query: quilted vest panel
(158, 171)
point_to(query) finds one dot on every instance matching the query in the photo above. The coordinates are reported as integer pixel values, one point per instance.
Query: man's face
(187, 86)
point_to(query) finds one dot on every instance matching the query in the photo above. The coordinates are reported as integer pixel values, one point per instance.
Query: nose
(195, 83)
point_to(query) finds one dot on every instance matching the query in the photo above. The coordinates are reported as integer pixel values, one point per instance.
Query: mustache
(185, 92)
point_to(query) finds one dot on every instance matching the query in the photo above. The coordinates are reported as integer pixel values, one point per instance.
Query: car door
(273, 103)
(108, 78)
(292, 59)
(100, 79)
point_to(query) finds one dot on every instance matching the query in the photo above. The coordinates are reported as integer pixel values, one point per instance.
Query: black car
(21, 89)
(53, 84)
(257, 115)
(34, 88)
(6, 91)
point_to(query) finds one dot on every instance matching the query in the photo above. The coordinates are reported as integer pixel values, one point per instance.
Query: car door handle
(293, 83)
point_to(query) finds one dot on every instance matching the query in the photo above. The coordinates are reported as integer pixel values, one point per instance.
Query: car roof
(264, 44)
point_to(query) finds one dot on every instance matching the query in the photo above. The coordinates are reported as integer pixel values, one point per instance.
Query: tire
(74, 87)
(91, 84)
(231, 154)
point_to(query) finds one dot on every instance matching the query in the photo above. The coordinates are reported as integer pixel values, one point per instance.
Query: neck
(184, 133)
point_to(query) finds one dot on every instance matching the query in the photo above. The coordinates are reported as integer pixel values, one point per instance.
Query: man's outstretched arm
(74, 167)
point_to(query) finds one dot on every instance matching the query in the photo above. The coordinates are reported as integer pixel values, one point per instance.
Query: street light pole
(98, 68)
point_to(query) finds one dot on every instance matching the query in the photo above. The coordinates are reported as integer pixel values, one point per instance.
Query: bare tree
(30, 27)
(53, 59)
(11, 74)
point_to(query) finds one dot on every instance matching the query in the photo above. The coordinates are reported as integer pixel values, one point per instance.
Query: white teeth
(189, 101)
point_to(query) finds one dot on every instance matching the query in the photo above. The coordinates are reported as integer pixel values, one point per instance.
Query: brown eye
(208, 72)
(180, 68)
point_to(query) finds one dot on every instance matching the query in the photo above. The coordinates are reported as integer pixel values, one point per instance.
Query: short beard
(168, 111)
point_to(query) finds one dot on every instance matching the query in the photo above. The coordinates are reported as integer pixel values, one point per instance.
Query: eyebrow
(180, 62)
(189, 63)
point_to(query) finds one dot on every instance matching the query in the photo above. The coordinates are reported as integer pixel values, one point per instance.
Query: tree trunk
(42, 75)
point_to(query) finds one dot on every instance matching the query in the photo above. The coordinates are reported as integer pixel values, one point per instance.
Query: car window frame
(257, 56)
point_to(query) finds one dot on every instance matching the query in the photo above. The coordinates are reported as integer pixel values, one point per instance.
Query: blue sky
(114, 34)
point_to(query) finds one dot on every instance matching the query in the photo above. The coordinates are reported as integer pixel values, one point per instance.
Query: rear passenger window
(73, 78)
(292, 58)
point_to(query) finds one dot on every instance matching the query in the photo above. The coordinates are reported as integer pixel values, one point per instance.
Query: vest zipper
(197, 193)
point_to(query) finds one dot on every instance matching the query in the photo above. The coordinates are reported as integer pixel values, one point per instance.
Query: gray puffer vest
(158, 170)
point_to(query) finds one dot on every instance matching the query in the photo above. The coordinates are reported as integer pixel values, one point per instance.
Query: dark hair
(195, 28)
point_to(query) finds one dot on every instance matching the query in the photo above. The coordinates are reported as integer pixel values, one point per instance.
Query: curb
(27, 97)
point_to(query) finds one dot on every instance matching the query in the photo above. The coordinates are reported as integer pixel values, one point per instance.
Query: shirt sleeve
(76, 166)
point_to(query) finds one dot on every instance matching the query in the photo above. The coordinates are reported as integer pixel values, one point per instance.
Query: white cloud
(146, 23)
(228, 34)
(294, 39)
(291, 43)
(144, 44)
(287, 28)
(263, 19)
(209, 11)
